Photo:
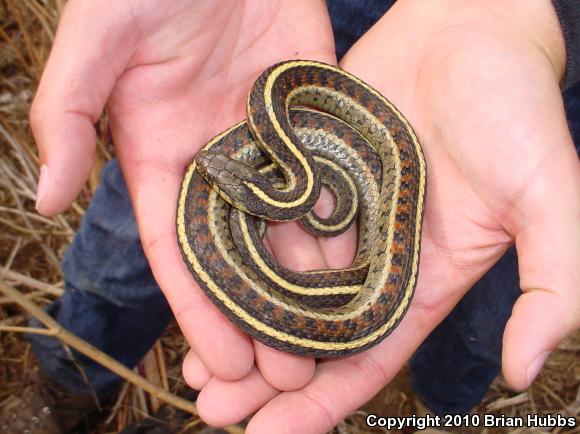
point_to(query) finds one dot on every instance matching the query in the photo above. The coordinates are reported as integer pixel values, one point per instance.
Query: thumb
(549, 260)
(90, 49)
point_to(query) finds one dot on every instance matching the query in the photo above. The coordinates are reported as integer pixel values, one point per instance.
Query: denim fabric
(351, 19)
(112, 301)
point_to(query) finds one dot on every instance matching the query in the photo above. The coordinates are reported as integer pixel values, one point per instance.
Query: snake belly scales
(308, 124)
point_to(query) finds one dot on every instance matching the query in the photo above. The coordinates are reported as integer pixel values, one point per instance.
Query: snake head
(229, 177)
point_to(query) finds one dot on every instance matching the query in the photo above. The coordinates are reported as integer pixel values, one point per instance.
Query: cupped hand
(479, 81)
(171, 75)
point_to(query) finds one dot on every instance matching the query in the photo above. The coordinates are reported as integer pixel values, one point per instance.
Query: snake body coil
(272, 167)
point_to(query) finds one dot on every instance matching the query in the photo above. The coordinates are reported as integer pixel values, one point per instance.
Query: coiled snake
(271, 167)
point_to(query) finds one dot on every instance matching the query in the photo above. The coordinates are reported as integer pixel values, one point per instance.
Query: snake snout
(228, 176)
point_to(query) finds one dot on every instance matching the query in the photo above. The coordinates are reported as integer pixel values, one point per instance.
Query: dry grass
(31, 247)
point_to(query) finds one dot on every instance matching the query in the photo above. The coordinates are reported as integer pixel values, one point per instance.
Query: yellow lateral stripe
(264, 328)
(289, 144)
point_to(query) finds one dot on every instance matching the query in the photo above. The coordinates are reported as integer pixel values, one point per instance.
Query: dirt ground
(31, 247)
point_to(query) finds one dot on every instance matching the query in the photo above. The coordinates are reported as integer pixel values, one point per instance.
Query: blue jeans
(112, 301)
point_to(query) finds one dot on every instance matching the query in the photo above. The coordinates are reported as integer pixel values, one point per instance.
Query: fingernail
(43, 184)
(535, 366)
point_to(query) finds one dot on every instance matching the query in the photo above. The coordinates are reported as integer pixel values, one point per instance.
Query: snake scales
(272, 167)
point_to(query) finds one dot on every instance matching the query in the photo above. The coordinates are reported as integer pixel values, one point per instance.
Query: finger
(549, 253)
(293, 247)
(281, 370)
(539, 322)
(79, 76)
(195, 373)
(339, 252)
(222, 403)
(297, 250)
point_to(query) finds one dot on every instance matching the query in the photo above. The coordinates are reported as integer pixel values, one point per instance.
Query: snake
(308, 125)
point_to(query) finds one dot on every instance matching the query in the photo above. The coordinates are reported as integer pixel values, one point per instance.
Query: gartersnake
(364, 145)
